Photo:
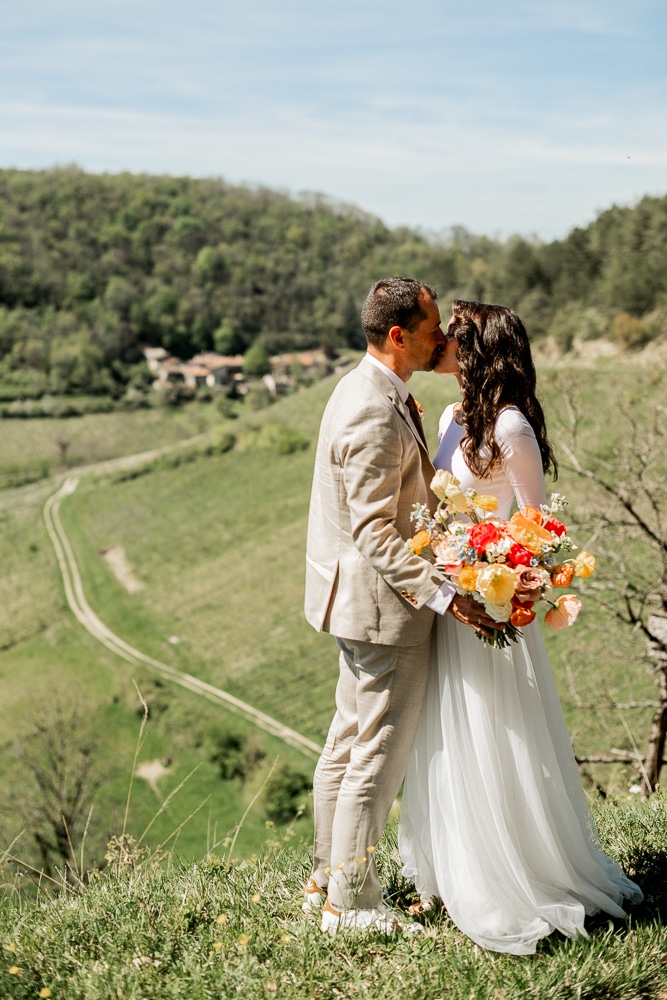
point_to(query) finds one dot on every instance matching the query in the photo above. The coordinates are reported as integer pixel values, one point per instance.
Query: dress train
(494, 819)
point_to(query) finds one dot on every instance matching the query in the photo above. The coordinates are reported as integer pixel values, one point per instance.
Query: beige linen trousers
(365, 587)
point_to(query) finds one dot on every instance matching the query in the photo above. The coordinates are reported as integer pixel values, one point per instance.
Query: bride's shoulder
(447, 417)
(511, 422)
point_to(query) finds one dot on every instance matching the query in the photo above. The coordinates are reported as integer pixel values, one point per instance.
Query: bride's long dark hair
(497, 370)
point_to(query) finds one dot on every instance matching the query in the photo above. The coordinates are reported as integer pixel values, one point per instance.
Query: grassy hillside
(218, 545)
(220, 929)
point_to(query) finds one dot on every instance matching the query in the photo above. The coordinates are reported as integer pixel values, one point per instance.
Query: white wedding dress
(494, 819)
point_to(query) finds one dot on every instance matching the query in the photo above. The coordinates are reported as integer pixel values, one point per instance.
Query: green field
(218, 545)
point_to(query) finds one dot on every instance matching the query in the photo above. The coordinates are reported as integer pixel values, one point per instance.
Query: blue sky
(525, 117)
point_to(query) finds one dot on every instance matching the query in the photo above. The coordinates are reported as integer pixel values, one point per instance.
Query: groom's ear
(396, 337)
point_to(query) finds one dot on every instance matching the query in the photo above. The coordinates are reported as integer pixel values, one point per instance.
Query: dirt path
(86, 616)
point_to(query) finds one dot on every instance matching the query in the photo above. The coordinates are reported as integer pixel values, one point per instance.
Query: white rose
(499, 612)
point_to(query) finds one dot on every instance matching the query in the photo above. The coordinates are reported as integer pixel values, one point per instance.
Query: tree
(62, 771)
(629, 496)
(256, 360)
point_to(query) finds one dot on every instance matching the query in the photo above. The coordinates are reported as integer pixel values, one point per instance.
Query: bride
(494, 820)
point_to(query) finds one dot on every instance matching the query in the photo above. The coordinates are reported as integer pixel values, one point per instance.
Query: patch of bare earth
(121, 568)
(151, 771)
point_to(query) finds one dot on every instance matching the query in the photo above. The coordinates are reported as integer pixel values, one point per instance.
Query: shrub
(276, 438)
(286, 793)
(236, 754)
(630, 331)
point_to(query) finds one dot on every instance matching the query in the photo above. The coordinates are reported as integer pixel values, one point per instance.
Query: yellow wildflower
(256, 897)
(14, 970)
(11, 946)
(285, 938)
(370, 849)
(243, 940)
(221, 918)
(584, 564)
(44, 992)
(419, 542)
(218, 945)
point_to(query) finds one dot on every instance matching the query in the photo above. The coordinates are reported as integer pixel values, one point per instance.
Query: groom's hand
(471, 613)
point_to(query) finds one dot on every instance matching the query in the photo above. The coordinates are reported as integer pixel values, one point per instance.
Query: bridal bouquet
(507, 566)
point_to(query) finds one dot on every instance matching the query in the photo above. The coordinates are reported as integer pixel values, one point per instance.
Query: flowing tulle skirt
(494, 819)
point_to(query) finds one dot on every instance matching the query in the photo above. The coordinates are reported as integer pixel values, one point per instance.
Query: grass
(221, 928)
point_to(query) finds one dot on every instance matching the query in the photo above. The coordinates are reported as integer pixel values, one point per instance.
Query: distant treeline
(92, 267)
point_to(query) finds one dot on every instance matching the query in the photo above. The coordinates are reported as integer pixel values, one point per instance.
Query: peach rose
(447, 552)
(564, 613)
(530, 582)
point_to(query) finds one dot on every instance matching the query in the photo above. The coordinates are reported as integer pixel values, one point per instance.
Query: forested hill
(93, 266)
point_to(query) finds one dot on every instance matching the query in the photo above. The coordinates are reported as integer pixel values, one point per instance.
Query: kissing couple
(494, 821)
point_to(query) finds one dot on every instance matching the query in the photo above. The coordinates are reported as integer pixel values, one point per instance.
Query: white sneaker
(314, 897)
(379, 920)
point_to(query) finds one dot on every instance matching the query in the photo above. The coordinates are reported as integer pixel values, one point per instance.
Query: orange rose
(561, 576)
(522, 616)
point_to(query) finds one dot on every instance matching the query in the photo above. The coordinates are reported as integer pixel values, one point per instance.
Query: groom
(378, 599)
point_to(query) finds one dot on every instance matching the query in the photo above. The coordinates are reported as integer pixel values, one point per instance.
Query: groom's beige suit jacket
(362, 582)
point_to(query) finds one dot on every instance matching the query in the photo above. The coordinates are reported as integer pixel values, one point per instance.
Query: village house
(206, 369)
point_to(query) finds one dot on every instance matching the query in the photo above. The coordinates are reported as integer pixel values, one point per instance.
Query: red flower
(483, 535)
(519, 555)
(553, 524)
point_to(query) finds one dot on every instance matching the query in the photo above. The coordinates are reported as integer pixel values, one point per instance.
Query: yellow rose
(485, 501)
(496, 583)
(467, 579)
(584, 564)
(419, 542)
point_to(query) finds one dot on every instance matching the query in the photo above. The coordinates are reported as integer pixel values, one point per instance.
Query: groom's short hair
(394, 302)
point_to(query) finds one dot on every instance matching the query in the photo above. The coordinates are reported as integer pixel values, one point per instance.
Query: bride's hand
(471, 613)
